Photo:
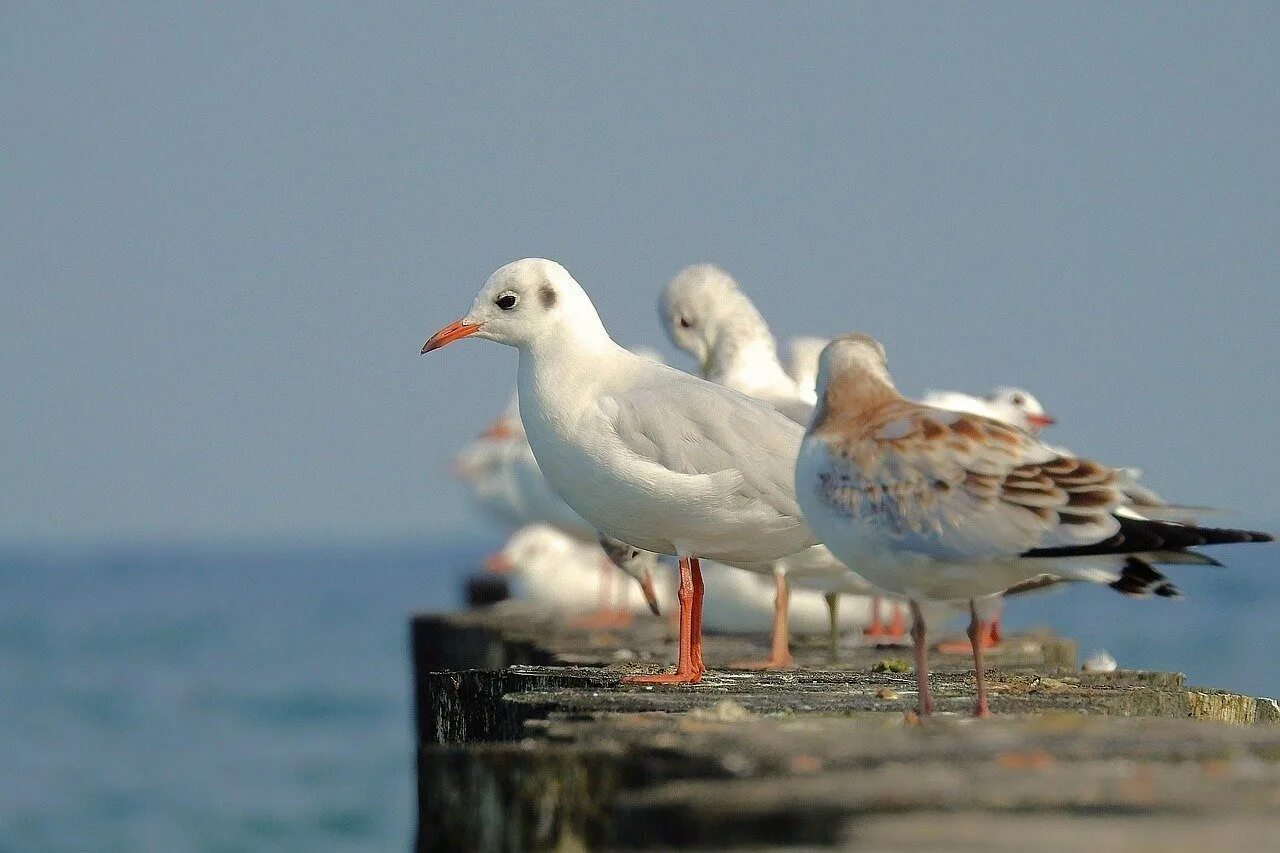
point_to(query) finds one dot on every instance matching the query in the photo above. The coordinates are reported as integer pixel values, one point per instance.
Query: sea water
(259, 698)
(215, 698)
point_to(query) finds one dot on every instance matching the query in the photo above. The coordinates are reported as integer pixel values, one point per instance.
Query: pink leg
(918, 636)
(780, 639)
(979, 631)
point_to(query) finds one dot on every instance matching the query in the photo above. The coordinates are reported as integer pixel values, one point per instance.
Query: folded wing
(959, 486)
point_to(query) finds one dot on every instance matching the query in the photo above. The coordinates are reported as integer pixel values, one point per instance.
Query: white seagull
(558, 570)
(944, 506)
(1012, 405)
(647, 454)
(706, 314)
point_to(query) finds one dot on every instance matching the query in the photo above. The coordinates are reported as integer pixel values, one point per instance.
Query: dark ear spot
(547, 296)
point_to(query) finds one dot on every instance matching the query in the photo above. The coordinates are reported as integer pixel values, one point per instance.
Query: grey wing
(704, 430)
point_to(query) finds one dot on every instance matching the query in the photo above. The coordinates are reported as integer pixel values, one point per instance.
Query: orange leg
(690, 597)
(990, 639)
(876, 628)
(695, 634)
(978, 634)
(897, 625)
(780, 644)
(918, 637)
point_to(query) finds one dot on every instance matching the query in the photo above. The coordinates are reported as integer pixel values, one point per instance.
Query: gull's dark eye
(507, 301)
(1018, 399)
(685, 323)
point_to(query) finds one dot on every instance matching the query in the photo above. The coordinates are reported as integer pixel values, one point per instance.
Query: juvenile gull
(943, 506)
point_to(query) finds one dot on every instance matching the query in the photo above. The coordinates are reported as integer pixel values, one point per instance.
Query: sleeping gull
(706, 314)
(647, 454)
(942, 506)
(560, 571)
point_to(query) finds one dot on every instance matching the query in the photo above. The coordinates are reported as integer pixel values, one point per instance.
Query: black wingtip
(1148, 535)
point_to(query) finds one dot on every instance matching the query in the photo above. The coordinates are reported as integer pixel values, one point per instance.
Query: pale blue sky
(228, 228)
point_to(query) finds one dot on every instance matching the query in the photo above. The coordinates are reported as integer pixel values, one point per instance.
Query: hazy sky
(228, 228)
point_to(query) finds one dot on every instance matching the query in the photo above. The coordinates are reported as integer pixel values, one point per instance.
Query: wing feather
(966, 487)
(745, 448)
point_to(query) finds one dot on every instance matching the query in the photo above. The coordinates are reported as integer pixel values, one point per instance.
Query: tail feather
(1139, 578)
(1179, 558)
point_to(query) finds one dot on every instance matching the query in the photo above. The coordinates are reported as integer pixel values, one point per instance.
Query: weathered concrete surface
(528, 741)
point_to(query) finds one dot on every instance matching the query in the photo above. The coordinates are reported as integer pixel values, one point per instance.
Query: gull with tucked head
(939, 505)
(706, 314)
(560, 571)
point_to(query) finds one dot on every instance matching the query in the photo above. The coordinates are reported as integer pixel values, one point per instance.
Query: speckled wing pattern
(964, 487)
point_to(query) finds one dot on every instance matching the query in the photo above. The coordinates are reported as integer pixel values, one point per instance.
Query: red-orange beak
(455, 331)
(1040, 421)
(498, 564)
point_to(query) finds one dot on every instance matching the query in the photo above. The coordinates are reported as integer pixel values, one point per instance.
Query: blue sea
(258, 697)
(212, 698)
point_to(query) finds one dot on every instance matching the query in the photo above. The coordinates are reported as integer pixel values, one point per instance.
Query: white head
(703, 309)
(855, 358)
(1018, 407)
(523, 303)
(533, 550)
(802, 361)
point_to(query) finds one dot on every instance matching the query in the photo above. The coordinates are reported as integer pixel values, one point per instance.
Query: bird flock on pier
(819, 496)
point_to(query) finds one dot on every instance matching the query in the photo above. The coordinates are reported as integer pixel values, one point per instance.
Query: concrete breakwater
(526, 740)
